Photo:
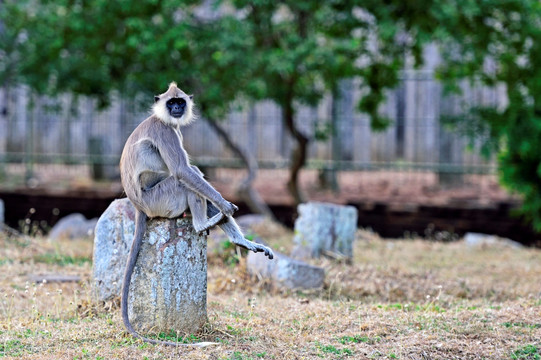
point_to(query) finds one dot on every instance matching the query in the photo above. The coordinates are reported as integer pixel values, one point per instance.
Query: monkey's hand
(227, 208)
(262, 248)
(255, 247)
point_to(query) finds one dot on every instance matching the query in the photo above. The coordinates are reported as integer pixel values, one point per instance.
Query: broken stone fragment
(285, 272)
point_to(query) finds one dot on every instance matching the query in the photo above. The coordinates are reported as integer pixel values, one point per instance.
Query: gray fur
(160, 181)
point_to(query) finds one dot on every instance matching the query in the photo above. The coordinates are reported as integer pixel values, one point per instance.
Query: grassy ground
(407, 299)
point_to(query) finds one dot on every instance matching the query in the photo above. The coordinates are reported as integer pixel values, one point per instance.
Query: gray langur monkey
(160, 182)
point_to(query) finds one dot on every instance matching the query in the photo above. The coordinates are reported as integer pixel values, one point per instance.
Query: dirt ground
(371, 186)
(399, 299)
(354, 186)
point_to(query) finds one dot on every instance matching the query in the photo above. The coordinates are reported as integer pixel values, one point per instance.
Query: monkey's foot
(200, 227)
(255, 247)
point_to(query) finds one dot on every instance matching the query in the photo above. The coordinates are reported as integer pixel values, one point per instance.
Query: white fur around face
(160, 108)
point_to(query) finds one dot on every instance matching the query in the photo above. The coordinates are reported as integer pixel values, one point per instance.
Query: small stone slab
(73, 226)
(2, 218)
(285, 272)
(53, 278)
(484, 240)
(324, 229)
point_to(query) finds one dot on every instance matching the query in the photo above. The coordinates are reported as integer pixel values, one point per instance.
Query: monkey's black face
(176, 107)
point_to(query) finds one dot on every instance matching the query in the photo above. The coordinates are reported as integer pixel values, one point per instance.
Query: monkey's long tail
(140, 228)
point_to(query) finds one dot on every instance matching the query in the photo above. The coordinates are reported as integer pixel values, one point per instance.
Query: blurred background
(423, 115)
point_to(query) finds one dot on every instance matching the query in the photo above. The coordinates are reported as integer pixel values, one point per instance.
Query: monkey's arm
(176, 159)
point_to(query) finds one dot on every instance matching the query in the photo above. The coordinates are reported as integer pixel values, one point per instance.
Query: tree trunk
(298, 155)
(245, 190)
(328, 176)
(29, 146)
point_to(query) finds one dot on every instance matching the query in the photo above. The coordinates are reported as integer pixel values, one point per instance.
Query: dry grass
(407, 299)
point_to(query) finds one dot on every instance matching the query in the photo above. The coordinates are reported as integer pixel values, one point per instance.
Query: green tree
(10, 30)
(496, 43)
(292, 52)
(98, 47)
(302, 49)
(295, 62)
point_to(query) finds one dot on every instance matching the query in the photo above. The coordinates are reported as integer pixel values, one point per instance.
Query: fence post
(95, 150)
(449, 153)
(29, 141)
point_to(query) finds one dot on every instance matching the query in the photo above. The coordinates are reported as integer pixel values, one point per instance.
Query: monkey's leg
(168, 199)
(234, 233)
(198, 208)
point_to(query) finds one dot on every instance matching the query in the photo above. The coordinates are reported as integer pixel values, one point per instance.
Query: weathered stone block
(112, 241)
(324, 229)
(168, 290)
(169, 285)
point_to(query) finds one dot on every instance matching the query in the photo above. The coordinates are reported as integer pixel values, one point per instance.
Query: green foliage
(520, 165)
(61, 259)
(493, 43)
(358, 339)
(288, 51)
(11, 348)
(11, 27)
(331, 349)
(97, 48)
(292, 52)
(322, 131)
(522, 325)
(237, 355)
(529, 352)
(174, 337)
(228, 253)
(302, 49)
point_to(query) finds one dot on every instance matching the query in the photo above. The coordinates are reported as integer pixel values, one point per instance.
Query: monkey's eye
(176, 101)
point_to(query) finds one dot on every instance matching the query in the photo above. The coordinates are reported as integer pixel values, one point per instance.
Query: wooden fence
(66, 130)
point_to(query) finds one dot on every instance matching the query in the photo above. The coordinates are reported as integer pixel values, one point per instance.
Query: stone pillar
(325, 229)
(168, 290)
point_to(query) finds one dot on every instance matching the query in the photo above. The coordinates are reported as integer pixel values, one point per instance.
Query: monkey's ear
(156, 98)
